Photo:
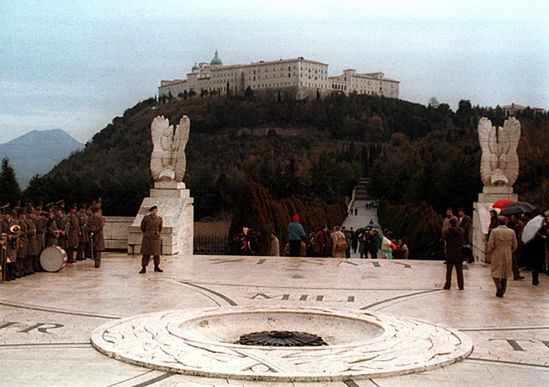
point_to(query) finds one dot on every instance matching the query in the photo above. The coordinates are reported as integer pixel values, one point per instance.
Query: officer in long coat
(23, 248)
(34, 247)
(95, 224)
(151, 226)
(41, 224)
(52, 233)
(62, 223)
(73, 234)
(84, 236)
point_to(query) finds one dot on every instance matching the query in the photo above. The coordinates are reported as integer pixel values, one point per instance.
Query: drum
(53, 259)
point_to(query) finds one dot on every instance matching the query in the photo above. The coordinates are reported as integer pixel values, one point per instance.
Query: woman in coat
(501, 245)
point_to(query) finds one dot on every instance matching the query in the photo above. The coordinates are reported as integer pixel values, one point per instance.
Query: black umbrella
(515, 208)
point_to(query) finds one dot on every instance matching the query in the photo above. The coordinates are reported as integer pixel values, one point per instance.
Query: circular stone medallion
(203, 342)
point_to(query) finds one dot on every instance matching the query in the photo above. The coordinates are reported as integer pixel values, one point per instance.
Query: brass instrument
(12, 236)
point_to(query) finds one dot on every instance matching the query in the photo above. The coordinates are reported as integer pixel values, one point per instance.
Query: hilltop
(316, 149)
(38, 151)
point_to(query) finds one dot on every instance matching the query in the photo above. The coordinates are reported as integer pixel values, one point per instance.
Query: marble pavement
(46, 320)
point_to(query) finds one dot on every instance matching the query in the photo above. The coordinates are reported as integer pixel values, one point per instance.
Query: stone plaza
(47, 319)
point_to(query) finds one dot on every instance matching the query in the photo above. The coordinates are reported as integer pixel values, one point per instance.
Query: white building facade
(298, 78)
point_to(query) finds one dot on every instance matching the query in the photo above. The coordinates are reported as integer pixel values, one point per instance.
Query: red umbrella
(501, 203)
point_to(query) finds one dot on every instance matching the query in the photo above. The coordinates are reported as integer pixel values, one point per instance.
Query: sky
(75, 65)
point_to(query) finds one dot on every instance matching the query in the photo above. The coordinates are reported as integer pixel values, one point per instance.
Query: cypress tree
(9, 187)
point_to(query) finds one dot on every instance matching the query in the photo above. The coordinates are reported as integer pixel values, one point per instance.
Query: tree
(9, 187)
(248, 93)
(433, 102)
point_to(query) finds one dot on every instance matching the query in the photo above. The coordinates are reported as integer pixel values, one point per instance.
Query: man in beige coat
(501, 245)
(338, 251)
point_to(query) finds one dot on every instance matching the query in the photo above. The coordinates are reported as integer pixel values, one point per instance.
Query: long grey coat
(151, 226)
(501, 245)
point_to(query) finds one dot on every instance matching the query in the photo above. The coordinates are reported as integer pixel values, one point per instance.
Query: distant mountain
(37, 152)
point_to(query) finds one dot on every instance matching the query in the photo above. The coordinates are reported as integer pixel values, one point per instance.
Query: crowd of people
(505, 249)
(336, 241)
(27, 230)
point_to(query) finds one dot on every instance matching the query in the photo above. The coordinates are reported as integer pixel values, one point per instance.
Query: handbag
(341, 245)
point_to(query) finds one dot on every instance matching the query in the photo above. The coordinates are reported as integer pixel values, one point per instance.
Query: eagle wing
(511, 128)
(182, 132)
(484, 129)
(158, 126)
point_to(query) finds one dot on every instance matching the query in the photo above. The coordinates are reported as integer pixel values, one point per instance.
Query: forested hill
(314, 149)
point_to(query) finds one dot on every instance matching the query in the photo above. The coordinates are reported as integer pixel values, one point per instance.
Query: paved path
(46, 320)
(362, 218)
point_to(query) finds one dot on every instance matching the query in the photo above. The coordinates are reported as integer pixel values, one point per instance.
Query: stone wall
(116, 232)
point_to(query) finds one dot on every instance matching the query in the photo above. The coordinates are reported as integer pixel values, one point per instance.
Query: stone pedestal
(175, 206)
(481, 218)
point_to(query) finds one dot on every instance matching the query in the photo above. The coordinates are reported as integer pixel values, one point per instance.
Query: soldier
(61, 221)
(33, 247)
(52, 233)
(84, 236)
(98, 204)
(41, 229)
(151, 226)
(23, 248)
(96, 223)
(3, 256)
(73, 236)
(6, 227)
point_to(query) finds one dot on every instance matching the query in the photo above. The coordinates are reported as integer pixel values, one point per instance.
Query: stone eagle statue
(168, 161)
(499, 164)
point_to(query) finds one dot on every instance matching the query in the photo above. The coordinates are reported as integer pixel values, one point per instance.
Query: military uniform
(151, 226)
(61, 221)
(35, 244)
(11, 245)
(3, 258)
(73, 236)
(22, 249)
(96, 223)
(84, 236)
(51, 232)
(41, 224)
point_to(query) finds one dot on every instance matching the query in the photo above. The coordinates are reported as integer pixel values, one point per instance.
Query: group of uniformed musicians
(25, 231)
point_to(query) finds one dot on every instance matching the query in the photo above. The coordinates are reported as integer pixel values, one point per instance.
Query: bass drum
(53, 259)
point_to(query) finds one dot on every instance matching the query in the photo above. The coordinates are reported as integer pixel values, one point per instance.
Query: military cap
(153, 208)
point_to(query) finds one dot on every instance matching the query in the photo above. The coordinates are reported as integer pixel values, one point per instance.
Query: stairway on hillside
(361, 189)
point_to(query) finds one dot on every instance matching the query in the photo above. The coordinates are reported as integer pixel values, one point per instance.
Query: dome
(195, 67)
(216, 60)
